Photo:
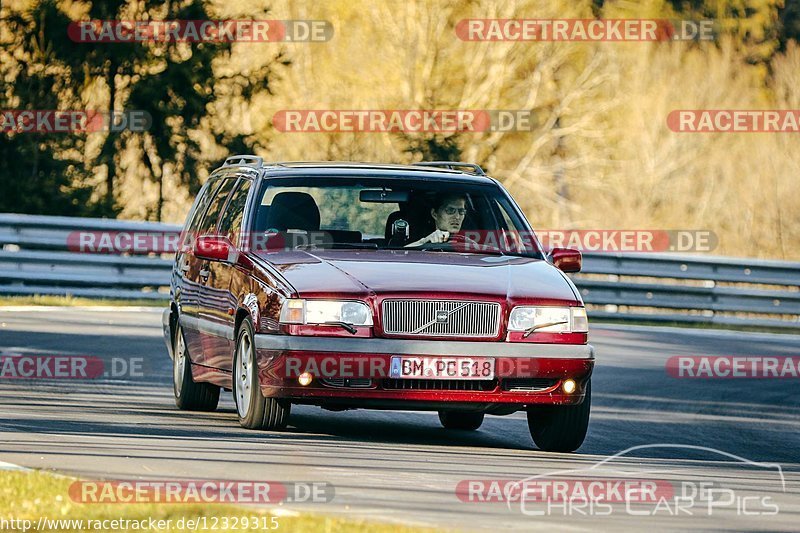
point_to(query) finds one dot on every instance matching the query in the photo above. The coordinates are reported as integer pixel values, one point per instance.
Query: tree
(41, 173)
(789, 23)
(178, 84)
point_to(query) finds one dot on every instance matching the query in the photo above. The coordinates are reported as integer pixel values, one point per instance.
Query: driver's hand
(438, 236)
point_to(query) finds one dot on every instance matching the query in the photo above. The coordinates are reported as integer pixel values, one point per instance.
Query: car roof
(356, 169)
(365, 169)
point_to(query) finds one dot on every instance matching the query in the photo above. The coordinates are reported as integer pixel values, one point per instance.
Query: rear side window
(231, 223)
(198, 210)
(209, 223)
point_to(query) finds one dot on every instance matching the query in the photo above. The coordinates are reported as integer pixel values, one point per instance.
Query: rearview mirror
(383, 196)
(213, 248)
(566, 259)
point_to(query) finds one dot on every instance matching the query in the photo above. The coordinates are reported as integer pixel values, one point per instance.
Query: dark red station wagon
(360, 285)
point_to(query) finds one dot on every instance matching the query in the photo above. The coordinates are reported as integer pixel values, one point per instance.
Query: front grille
(440, 384)
(441, 318)
(528, 384)
(351, 383)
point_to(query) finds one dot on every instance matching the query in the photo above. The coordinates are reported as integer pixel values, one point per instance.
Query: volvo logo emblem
(441, 316)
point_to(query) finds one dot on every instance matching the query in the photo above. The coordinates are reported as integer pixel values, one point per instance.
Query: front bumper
(337, 363)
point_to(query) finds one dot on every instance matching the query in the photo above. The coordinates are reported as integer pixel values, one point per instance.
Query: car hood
(361, 273)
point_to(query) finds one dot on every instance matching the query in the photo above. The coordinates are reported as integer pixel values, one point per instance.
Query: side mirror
(566, 259)
(213, 248)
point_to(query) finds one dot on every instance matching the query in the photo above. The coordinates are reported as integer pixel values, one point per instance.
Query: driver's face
(450, 216)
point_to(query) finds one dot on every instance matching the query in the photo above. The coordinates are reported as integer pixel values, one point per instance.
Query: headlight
(295, 311)
(548, 319)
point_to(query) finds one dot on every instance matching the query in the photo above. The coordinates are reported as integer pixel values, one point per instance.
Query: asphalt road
(402, 466)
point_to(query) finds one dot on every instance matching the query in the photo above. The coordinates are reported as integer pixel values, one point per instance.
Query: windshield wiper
(540, 326)
(353, 245)
(447, 247)
(493, 252)
(346, 325)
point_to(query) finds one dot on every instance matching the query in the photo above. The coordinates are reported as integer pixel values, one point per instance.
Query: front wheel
(461, 420)
(189, 396)
(560, 428)
(255, 411)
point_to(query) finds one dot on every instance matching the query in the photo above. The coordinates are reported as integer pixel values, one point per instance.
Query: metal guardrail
(691, 289)
(39, 257)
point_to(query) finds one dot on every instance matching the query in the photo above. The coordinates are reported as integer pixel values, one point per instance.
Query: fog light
(305, 378)
(568, 386)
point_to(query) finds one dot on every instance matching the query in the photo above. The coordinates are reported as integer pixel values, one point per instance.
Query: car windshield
(376, 213)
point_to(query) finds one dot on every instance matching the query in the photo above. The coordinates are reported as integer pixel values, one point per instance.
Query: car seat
(293, 210)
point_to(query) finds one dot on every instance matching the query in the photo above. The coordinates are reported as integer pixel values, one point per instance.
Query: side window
(510, 218)
(231, 223)
(197, 212)
(522, 241)
(507, 219)
(209, 223)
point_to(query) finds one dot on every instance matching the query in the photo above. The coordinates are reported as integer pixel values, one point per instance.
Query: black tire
(560, 428)
(189, 396)
(255, 411)
(461, 420)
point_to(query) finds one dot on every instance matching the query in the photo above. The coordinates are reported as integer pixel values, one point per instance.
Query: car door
(220, 307)
(188, 270)
(211, 327)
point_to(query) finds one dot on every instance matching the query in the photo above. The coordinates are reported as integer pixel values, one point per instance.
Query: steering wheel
(458, 242)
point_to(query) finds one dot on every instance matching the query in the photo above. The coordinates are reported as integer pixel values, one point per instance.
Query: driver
(448, 214)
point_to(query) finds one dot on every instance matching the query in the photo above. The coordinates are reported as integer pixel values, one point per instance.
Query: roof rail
(452, 165)
(247, 160)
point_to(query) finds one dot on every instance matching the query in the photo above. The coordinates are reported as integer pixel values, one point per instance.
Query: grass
(30, 495)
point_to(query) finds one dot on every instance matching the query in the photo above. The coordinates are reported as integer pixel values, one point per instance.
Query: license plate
(442, 368)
